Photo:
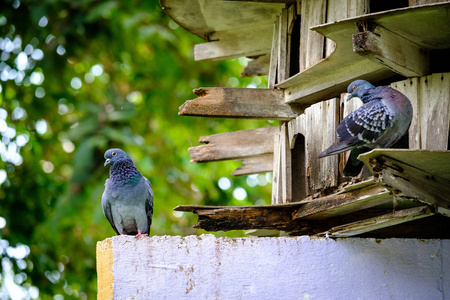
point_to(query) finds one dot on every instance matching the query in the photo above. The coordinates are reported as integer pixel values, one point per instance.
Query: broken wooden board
(416, 24)
(377, 223)
(245, 103)
(234, 145)
(344, 203)
(422, 174)
(225, 218)
(255, 165)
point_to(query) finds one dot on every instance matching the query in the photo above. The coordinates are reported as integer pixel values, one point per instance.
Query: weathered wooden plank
(286, 166)
(393, 51)
(313, 13)
(323, 117)
(434, 111)
(344, 203)
(255, 165)
(258, 66)
(234, 145)
(202, 18)
(247, 41)
(239, 103)
(224, 218)
(283, 59)
(273, 67)
(276, 176)
(405, 175)
(376, 223)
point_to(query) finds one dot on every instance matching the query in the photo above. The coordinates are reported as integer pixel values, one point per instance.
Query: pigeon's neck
(124, 172)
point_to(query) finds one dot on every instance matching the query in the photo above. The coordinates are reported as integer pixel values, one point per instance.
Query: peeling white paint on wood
(206, 267)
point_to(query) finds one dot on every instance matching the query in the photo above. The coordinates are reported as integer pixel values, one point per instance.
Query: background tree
(77, 78)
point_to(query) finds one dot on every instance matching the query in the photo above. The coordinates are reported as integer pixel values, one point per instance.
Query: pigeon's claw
(141, 234)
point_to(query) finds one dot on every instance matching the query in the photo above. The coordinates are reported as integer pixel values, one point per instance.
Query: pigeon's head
(114, 155)
(357, 88)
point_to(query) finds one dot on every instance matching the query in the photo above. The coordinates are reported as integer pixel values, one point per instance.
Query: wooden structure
(311, 50)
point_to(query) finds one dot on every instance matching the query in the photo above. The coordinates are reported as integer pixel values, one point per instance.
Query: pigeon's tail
(354, 166)
(336, 148)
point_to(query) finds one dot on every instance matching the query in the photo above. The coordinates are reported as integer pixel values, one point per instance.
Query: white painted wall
(205, 267)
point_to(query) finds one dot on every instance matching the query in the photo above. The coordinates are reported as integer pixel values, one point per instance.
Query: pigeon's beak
(107, 162)
(350, 96)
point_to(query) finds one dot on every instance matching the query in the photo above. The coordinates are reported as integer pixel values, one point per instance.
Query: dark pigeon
(128, 197)
(383, 119)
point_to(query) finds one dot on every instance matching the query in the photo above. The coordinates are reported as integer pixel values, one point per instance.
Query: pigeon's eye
(354, 87)
(114, 154)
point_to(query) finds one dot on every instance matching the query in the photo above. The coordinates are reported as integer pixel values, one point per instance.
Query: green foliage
(98, 74)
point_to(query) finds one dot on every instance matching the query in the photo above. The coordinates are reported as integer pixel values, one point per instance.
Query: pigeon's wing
(149, 203)
(107, 211)
(366, 124)
(362, 127)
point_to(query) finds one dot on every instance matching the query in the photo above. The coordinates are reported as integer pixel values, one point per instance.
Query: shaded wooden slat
(313, 12)
(258, 66)
(230, 44)
(255, 165)
(283, 58)
(234, 145)
(393, 51)
(239, 103)
(376, 223)
(273, 66)
(344, 203)
(420, 183)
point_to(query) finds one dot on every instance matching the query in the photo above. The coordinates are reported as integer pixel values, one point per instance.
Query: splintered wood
(244, 103)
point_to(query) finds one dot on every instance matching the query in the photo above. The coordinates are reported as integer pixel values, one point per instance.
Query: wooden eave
(229, 27)
(406, 198)
(426, 27)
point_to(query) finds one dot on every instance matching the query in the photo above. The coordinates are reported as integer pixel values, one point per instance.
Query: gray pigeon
(383, 119)
(128, 197)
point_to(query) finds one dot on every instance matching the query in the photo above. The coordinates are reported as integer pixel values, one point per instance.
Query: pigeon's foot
(141, 234)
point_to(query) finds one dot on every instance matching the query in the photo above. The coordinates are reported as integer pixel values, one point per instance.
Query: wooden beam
(376, 223)
(234, 145)
(413, 182)
(255, 165)
(224, 218)
(344, 203)
(393, 51)
(239, 103)
(247, 41)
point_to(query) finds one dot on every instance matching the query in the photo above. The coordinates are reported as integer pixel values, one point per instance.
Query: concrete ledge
(206, 267)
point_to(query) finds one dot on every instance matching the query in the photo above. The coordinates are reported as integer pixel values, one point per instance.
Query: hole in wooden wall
(382, 5)
(298, 156)
(439, 62)
(403, 143)
(294, 65)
